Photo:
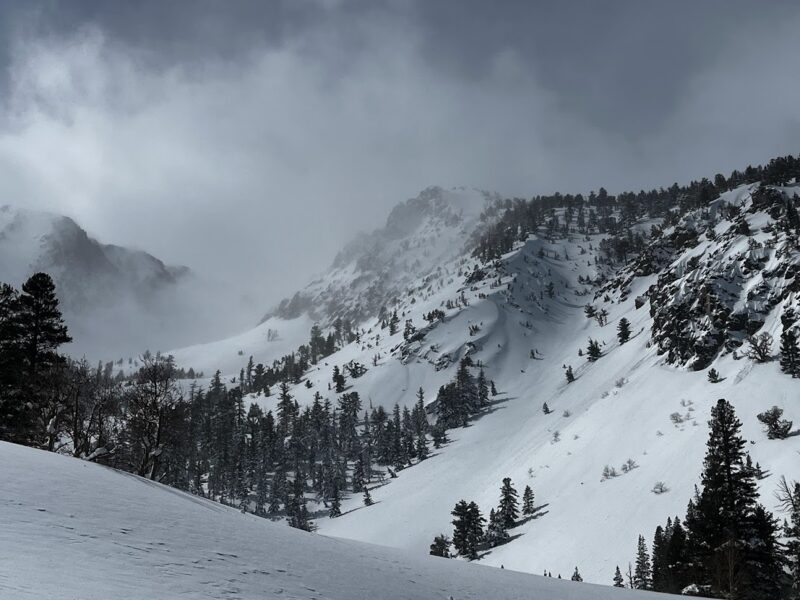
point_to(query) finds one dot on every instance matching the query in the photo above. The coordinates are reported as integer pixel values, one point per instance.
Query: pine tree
(713, 376)
(336, 502)
(507, 511)
(468, 528)
(618, 580)
(569, 374)
(34, 322)
(421, 447)
(483, 389)
(368, 501)
(660, 559)
(527, 501)
(496, 532)
(593, 351)
(642, 575)
(789, 497)
(623, 330)
(546, 409)
(338, 379)
(790, 352)
(286, 408)
(730, 540)
(576, 576)
(441, 546)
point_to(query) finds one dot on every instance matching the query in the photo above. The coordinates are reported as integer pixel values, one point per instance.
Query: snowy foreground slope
(75, 530)
(525, 322)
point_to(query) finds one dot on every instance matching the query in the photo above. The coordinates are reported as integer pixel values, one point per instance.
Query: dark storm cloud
(251, 139)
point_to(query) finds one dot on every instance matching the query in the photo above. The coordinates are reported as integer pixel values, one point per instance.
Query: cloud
(253, 161)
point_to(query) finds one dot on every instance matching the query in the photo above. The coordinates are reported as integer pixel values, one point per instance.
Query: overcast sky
(250, 139)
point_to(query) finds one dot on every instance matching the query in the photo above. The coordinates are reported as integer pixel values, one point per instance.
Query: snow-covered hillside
(523, 318)
(72, 529)
(419, 236)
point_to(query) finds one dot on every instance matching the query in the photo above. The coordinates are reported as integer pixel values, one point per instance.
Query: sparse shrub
(776, 428)
(609, 472)
(759, 347)
(676, 418)
(629, 466)
(660, 488)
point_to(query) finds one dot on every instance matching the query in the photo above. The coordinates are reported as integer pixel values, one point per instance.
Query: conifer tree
(576, 576)
(623, 330)
(569, 374)
(441, 546)
(618, 580)
(336, 502)
(789, 497)
(507, 510)
(731, 538)
(790, 352)
(421, 447)
(496, 532)
(368, 501)
(660, 558)
(593, 351)
(483, 389)
(527, 501)
(642, 575)
(468, 528)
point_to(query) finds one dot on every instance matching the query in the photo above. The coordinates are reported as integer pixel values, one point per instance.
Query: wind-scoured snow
(73, 529)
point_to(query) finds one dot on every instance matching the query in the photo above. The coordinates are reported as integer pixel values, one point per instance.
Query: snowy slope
(419, 236)
(72, 529)
(619, 408)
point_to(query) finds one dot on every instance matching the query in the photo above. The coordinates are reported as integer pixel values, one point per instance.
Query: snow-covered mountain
(106, 291)
(94, 533)
(374, 269)
(692, 288)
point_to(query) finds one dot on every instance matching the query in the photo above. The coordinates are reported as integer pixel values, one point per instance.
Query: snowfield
(74, 530)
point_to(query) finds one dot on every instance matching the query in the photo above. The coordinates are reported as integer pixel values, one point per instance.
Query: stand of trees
(728, 544)
(203, 441)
